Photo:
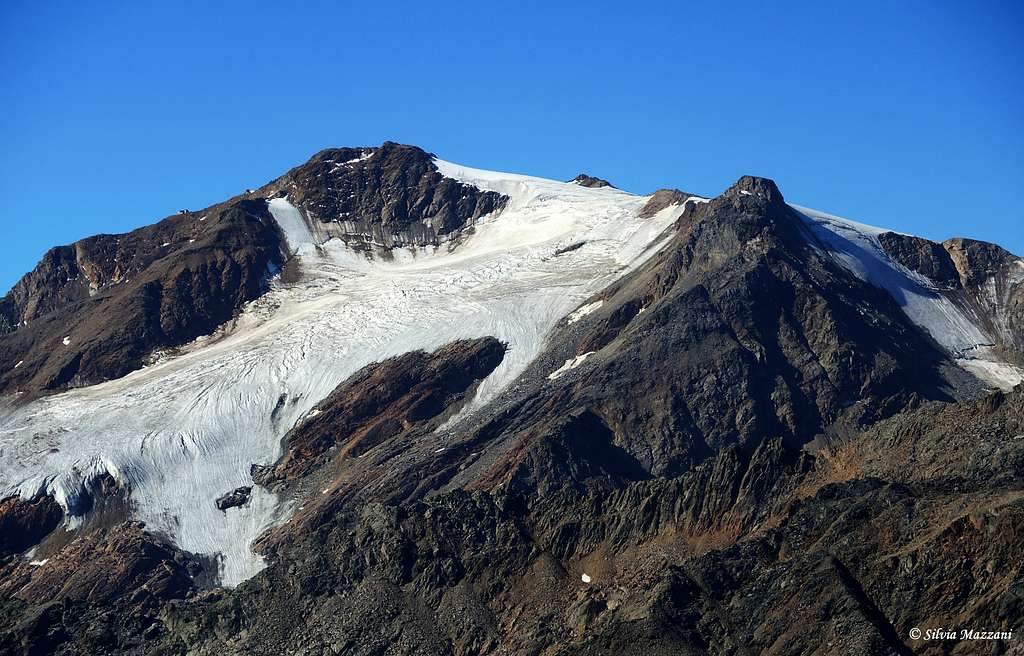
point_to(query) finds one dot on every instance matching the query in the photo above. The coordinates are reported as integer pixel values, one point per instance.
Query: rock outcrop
(661, 199)
(235, 498)
(24, 522)
(388, 196)
(585, 180)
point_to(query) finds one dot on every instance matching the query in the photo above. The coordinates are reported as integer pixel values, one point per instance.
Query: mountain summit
(390, 404)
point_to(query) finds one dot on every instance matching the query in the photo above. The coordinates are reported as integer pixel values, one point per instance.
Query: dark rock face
(387, 196)
(977, 260)
(585, 180)
(767, 339)
(237, 497)
(24, 523)
(993, 291)
(97, 309)
(925, 257)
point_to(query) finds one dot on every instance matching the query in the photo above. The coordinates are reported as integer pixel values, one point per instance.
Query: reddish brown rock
(23, 523)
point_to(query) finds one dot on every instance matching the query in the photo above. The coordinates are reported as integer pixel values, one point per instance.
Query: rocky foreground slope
(462, 412)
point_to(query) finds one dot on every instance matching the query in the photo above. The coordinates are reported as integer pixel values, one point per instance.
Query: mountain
(389, 404)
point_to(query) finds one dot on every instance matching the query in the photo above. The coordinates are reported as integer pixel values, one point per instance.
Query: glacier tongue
(857, 248)
(185, 430)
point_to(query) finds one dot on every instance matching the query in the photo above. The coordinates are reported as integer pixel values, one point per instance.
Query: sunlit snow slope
(185, 430)
(856, 246)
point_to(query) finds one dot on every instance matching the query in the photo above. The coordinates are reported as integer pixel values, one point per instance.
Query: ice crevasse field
(185, 430)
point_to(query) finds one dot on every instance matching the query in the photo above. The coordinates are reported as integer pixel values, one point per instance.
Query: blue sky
(906, 115)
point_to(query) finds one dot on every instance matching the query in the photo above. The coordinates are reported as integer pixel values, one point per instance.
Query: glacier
(184, 430)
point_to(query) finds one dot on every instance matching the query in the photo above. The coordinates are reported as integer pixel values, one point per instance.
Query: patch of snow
(165, 244)
(67, 340)
(584, 311)
(586, 578)
(696, 199)
(361, 158)
(569, 365)
(39, 563)
(745, 192)
(20, 362)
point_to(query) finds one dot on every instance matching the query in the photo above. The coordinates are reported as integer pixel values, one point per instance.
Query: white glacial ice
(184, 430)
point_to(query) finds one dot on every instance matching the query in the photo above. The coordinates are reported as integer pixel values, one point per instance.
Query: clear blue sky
(901, 114)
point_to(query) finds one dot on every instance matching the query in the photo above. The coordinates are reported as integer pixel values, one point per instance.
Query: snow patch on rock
(569, 365)
(589, 308)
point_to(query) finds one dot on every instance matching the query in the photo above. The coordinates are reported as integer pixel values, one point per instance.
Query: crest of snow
(586, 578)
(183, 431)
(856, 247)
(569, 365)
(67, 340)
(696, 199)
(20, 362)
(584, 311)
